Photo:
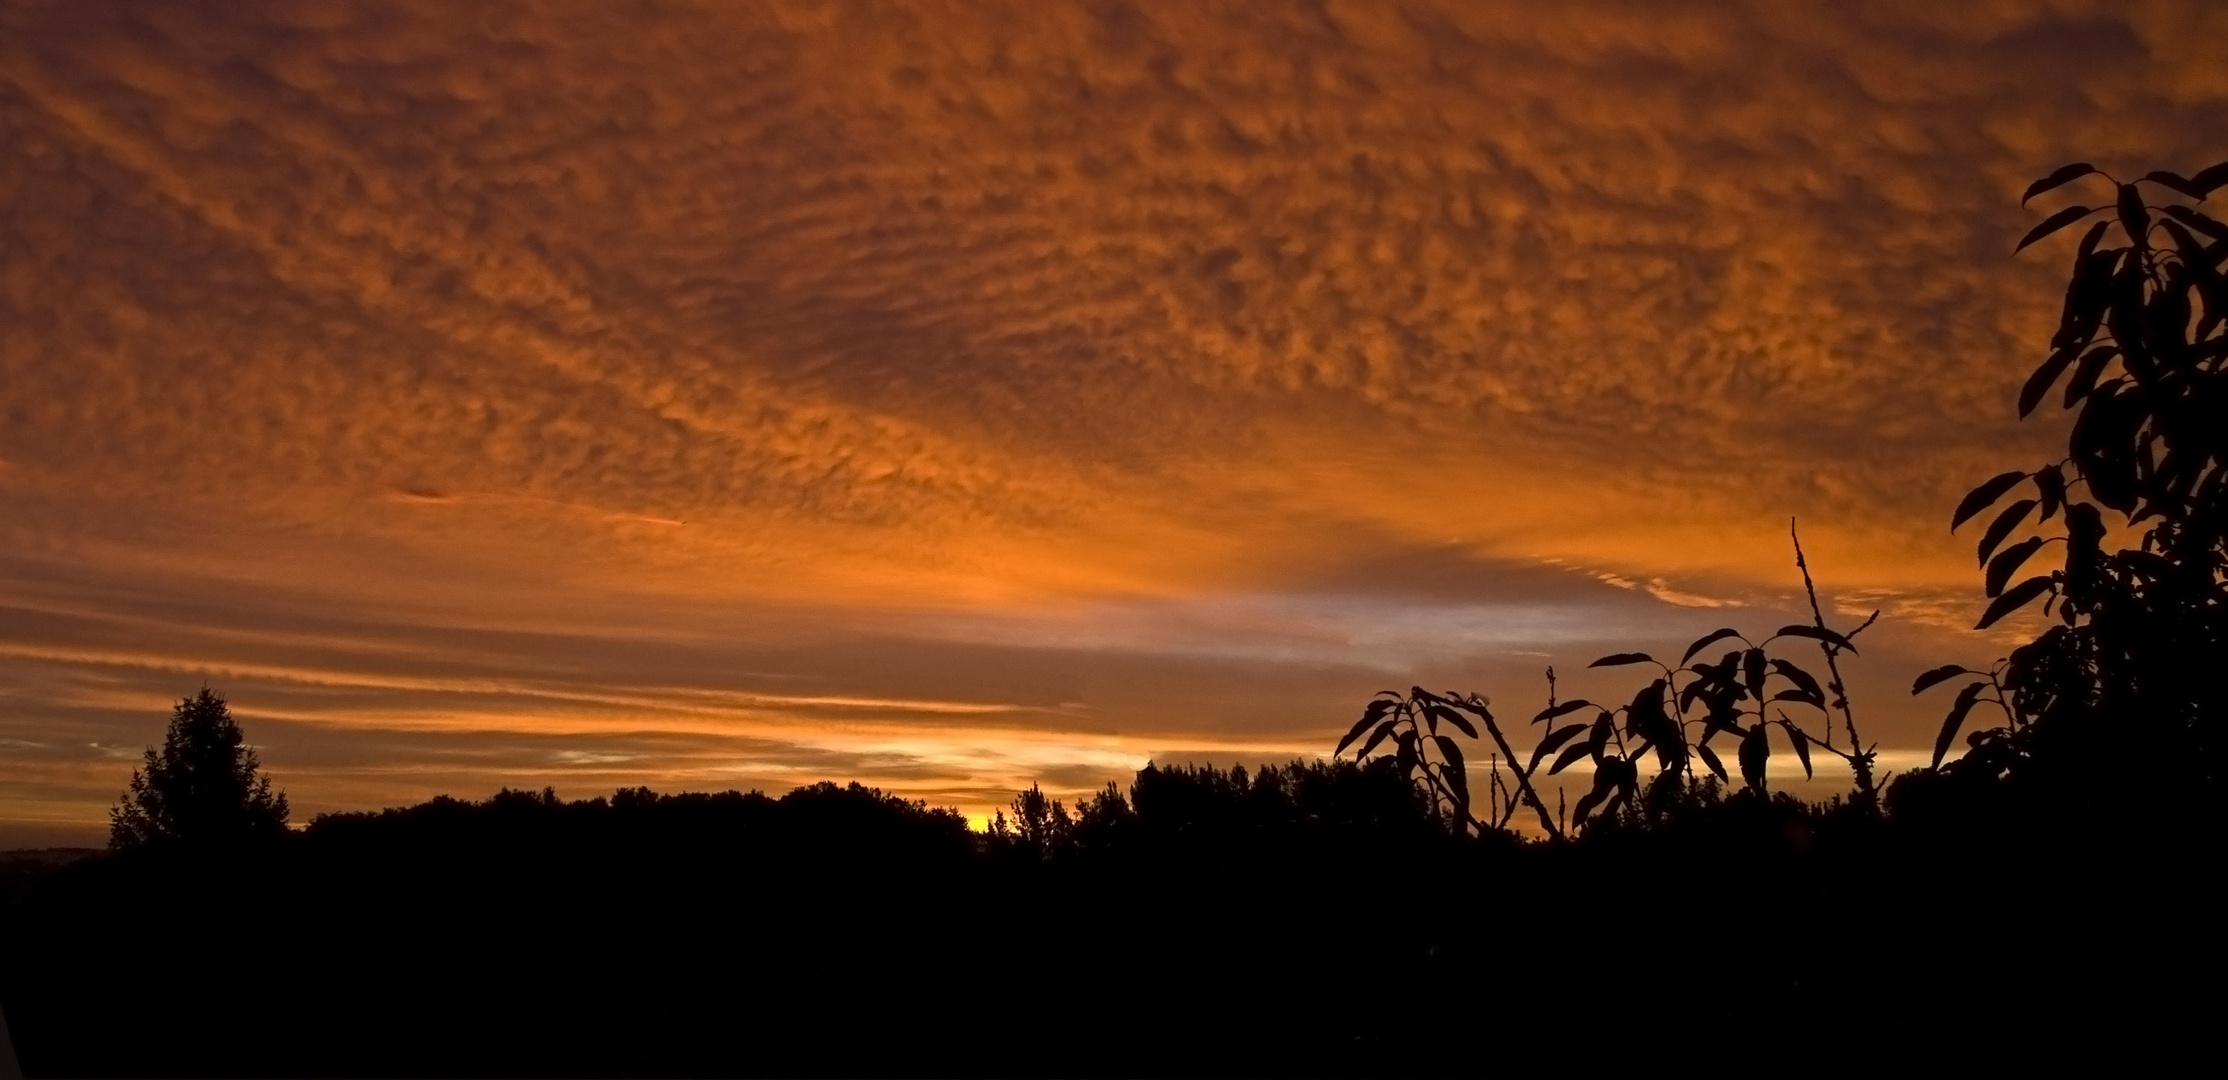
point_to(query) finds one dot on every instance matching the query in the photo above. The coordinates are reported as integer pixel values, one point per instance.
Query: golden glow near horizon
(954, 396)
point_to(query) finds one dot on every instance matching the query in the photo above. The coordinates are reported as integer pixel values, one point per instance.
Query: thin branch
(1531, 797)
(1862, 763)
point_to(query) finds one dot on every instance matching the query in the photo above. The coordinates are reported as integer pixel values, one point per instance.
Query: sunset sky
(950, 396)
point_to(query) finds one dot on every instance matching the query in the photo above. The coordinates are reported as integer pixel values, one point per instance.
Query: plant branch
(1861, 764)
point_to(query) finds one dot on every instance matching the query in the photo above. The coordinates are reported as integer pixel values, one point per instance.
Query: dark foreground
(1298, 922)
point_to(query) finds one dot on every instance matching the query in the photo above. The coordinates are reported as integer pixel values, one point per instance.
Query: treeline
(1315, 918)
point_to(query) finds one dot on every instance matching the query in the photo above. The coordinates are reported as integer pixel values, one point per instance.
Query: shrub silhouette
(204, 788)
(1674, 719)
(1428, 758)
(1671, 720)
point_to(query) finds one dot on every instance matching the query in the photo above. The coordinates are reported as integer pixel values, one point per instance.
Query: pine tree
(205, 787)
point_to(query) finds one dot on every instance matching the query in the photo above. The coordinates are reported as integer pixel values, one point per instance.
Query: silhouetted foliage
(1430, 759)
(2135, 664)
(2136, 661)
(205, 787)
(1744, 695)
(1676, 717)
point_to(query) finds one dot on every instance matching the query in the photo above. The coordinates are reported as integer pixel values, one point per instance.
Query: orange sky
(945, 396)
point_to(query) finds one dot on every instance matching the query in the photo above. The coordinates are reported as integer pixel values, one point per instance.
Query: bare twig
(1861, 761)
(1476, 705)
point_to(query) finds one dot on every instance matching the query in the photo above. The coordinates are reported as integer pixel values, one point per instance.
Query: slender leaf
(1802, 680)
(2058, 179)
(1552, 740)
(2210, 179)
(2002, 527)
(2008, 560)
(1360, 726)
(1570, 756)
(2051, 484)
(1980, 497)
(1709, 758)
(1646, 716)
(2044, 377)
(1623, 658)
(1571, 706)
(1706, 639)
(1752, 669)
(1605, 726)
(2198, 221)
(1376, 737)
(2088, 295)
(2192, 249)
(1723, 669)
(1690, 691)
(2133, 216)
(1816, 633)
(1938, 676)
(2017, 597)
(1802, 746)
(2176, 182)
(1586, 803)
(1755, 750)
(1452, 750)
(1441, 712)
(2085, 376)
(2053, 223)
(1956, 719)
(1606, 776)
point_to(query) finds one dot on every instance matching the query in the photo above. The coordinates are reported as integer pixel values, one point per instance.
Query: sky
(952, 397)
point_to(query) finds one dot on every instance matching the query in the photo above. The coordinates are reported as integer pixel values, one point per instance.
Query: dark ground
(1216, 930)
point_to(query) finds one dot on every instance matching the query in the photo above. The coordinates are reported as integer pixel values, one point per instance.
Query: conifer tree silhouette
(205, 787)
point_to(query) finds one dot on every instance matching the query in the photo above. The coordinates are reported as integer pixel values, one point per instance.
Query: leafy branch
(2143, 631)
(1431, 758)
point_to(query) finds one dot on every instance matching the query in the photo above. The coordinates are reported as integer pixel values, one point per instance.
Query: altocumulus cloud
(1057, 352)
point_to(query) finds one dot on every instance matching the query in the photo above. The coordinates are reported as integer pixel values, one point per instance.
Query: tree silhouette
(205, 787)
(2135, 661)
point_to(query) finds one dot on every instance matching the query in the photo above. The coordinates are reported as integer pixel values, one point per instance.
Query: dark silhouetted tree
(1040, 825)
(205, 787)
(2135, 661)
